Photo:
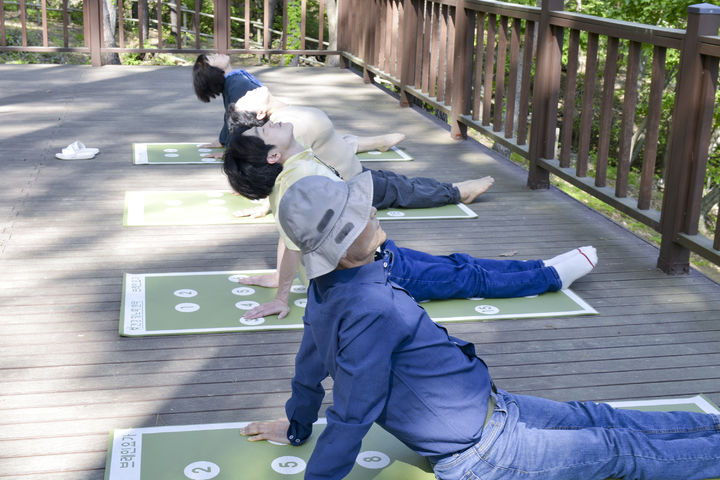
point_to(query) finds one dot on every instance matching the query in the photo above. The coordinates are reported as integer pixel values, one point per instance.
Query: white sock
(559, 258)
(572, 267)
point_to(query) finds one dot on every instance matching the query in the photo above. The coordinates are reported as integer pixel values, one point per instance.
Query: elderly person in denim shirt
(392, 365)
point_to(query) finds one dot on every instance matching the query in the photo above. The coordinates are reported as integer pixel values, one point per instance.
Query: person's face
(279, 134)
(368, 241)
(257, 100)
(219, 60)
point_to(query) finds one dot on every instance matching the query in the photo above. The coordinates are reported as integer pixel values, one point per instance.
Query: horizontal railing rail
(138, 30)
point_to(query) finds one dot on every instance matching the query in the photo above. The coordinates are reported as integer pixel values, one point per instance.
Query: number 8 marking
(373, 459)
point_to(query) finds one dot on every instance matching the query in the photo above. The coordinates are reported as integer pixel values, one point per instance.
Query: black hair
(245, 164)
(243, 120)
(208, 81)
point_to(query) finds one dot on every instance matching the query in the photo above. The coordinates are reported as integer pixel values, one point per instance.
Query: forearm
(288, 261)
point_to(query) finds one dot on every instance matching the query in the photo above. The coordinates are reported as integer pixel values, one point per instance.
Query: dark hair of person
(208, 81)
(245, 164)
(243, 120)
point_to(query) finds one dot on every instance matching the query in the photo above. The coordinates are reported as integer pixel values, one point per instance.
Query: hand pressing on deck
(275, 431)
(213, 145)
(261, 210)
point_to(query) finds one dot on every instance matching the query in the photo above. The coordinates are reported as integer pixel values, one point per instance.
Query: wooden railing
(500, 69)
(231, 34)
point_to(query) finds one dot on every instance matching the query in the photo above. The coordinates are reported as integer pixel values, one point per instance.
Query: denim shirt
(237, 83)
(390, 363)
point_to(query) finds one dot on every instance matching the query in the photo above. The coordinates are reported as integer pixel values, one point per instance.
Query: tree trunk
(332, 22)
(146, 18)
(109, 26)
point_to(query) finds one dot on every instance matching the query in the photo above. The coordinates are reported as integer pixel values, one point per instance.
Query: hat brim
(327, 255)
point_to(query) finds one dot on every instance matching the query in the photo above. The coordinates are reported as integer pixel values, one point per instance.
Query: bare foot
(471, 189)
(389, 140)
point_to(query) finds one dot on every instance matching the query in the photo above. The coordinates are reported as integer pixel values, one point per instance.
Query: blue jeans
(430, 277)
(531, 438)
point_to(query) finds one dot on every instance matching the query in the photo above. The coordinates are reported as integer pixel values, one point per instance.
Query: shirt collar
(374, 272)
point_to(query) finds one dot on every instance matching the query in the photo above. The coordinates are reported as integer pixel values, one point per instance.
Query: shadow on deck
(68, 378)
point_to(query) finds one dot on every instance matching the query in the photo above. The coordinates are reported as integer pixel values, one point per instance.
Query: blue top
(237, 83)
(390, 363)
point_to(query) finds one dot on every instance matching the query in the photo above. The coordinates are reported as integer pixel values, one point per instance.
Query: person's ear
(260, 114)
(274, 156)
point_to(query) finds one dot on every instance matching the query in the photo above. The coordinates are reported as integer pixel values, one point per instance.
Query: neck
(293, 149)
(347, 263)
(274, 105)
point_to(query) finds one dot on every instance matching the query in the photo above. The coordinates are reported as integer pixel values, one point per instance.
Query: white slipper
(77, 147)
(75, 156)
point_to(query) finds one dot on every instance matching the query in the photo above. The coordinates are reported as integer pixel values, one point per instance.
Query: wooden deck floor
(67, 378)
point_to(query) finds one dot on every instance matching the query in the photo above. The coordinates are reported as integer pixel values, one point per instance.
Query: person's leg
(393, 190)
(532, 439)
(428, 277)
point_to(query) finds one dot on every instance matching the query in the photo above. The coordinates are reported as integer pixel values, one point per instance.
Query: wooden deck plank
(67, 378)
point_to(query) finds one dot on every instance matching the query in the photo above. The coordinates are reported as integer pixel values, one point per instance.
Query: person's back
(433, 393)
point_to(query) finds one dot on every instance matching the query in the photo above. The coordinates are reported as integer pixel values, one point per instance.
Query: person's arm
(288, 261)
(261, 210)
(360, 391)
(302, 407)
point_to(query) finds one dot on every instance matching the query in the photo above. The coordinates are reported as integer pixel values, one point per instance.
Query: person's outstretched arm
(288, 261)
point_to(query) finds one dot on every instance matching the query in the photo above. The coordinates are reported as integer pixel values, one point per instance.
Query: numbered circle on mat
(252, 321)
(243, 291)
(187, 307)
(301, 302)
(201, 470)
(395, 213)
(298, 289)
(487, 309)
(288, 465)
(246, 305)
(185, 293)
(235, 278)
(373, 459)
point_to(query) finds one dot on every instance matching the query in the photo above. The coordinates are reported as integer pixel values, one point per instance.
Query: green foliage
(294, 34)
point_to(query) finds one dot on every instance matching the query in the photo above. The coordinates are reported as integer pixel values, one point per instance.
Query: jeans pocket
(469, 475)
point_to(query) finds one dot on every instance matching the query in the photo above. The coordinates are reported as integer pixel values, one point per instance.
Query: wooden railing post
(342, 25)
(462, 71)
(222, 25)
(408, 49)
(93, 29)
(367, 45)
(688, 140)
(546, 92)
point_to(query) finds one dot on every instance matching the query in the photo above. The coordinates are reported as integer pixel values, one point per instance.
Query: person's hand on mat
(254, 212)
(275, 431)
(269, 280)
(214, 154)
(273, 307)
(211, 145)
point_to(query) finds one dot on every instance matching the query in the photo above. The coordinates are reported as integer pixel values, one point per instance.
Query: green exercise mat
(218, 451)
(211, 302)
(394, 154)
(173, 154)
(184, 153)
(208, 207)
(213, 207)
